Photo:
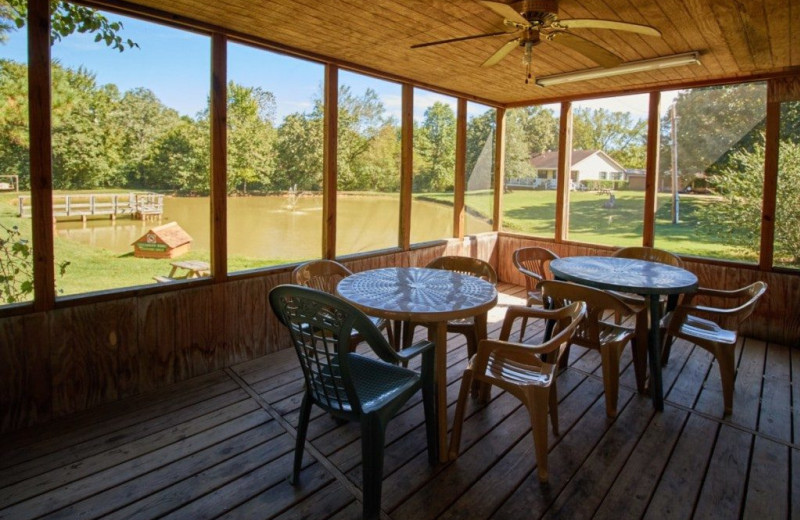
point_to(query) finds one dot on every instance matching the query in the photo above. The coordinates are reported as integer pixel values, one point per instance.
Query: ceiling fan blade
(461, 39)
(591, 50)
(507, 12)
(501, 53)
(609, 24)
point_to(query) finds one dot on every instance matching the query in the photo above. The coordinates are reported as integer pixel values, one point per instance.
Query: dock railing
(84, 206)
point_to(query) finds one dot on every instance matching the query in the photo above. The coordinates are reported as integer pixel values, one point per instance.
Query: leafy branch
(16, 266)
(67, 18)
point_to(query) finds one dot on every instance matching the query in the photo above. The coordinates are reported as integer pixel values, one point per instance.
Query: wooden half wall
(74, 358)
(776, 318)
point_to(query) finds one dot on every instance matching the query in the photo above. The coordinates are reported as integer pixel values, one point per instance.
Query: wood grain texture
(651, 169)
(460, 183)
(406, 166)
(770, 196)
(219, 156)
(499, 169)
(41, 161)
(329, 161)
(564, 167)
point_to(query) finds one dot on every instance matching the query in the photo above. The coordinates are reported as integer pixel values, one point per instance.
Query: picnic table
(185, 269)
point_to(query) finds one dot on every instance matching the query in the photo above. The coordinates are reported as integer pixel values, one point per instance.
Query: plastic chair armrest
(414, 350)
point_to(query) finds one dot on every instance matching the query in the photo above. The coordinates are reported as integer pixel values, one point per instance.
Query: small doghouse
(167, 241)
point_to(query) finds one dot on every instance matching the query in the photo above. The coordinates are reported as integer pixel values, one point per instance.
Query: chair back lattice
(322, 275)
(599, 306)
(534, 263)
(466, 265)
(320, 327)
(649, 254)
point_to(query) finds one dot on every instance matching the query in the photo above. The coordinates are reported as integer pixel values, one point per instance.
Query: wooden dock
(142, 206)
(221, 445)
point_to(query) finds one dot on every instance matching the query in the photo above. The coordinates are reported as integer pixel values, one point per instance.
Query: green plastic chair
(351, 386)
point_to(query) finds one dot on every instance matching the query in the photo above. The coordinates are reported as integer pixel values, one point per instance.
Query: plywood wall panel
(84, 353)
(25, 379)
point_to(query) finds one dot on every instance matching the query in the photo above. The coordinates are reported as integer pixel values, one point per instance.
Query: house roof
(549, 160)
(170, 234)
(734, 39)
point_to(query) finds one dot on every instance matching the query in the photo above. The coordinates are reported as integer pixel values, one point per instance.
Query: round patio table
(649, 279)
(423, 295)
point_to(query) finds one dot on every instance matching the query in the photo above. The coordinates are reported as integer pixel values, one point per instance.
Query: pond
(266, 227)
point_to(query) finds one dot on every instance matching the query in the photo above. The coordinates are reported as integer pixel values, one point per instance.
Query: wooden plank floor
(220, 446)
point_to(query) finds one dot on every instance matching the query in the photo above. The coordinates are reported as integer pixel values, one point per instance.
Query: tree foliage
(619, 134)
(712, 123)
(740, 184)
(435, 150)
(66, 18)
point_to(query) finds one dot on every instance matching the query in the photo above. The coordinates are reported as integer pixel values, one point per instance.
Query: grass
(531, 212)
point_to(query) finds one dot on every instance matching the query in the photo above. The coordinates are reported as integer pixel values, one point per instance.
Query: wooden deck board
(206, 448)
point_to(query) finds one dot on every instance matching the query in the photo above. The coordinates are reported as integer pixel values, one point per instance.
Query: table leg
(437, 333)
(654, 351)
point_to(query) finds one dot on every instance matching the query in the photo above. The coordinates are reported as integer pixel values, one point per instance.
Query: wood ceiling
(735, 39)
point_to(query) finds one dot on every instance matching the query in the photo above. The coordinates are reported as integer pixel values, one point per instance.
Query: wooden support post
(460, 183)
(41, 161)
(219, 156)
(651, 169)
(770, 200)
(329, 158)
(564, 167)
(499, 169)
(406, 166)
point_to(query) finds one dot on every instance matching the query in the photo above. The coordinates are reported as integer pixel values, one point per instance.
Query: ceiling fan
(535, 21)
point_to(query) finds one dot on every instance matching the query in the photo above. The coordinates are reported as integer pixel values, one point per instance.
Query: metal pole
(675, 200)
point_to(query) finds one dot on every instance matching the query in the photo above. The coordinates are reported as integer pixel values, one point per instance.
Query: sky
(174, 64)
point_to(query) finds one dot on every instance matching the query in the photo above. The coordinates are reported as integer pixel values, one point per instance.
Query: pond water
(267, 227)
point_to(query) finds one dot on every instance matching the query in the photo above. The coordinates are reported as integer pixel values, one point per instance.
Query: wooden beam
(41, 161)
(460, 183)
(219, 156)
(406, 166)
(499, 169)
(651, 169)
(564, 167)
(329, 157)
(770, 200)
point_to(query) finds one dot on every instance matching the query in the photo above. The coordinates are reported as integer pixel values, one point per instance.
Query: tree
(84, 152)
(66, 18)
(298, 153)
(251, 133)
(140, 120)
(180, 159)
(530, 131)
(480, 134)
(619, 134)
(741, 183)
(435, 143)
(368, 149)
(14, 144)
(712, 123)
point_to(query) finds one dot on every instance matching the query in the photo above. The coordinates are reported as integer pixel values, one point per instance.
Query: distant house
(587, 165)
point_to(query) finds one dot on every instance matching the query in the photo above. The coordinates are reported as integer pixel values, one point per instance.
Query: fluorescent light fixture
(676, 60)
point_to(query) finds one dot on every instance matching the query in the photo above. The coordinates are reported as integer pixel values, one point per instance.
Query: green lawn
(531, 212)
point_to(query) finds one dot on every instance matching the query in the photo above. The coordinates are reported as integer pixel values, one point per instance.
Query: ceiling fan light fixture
(676, 60)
